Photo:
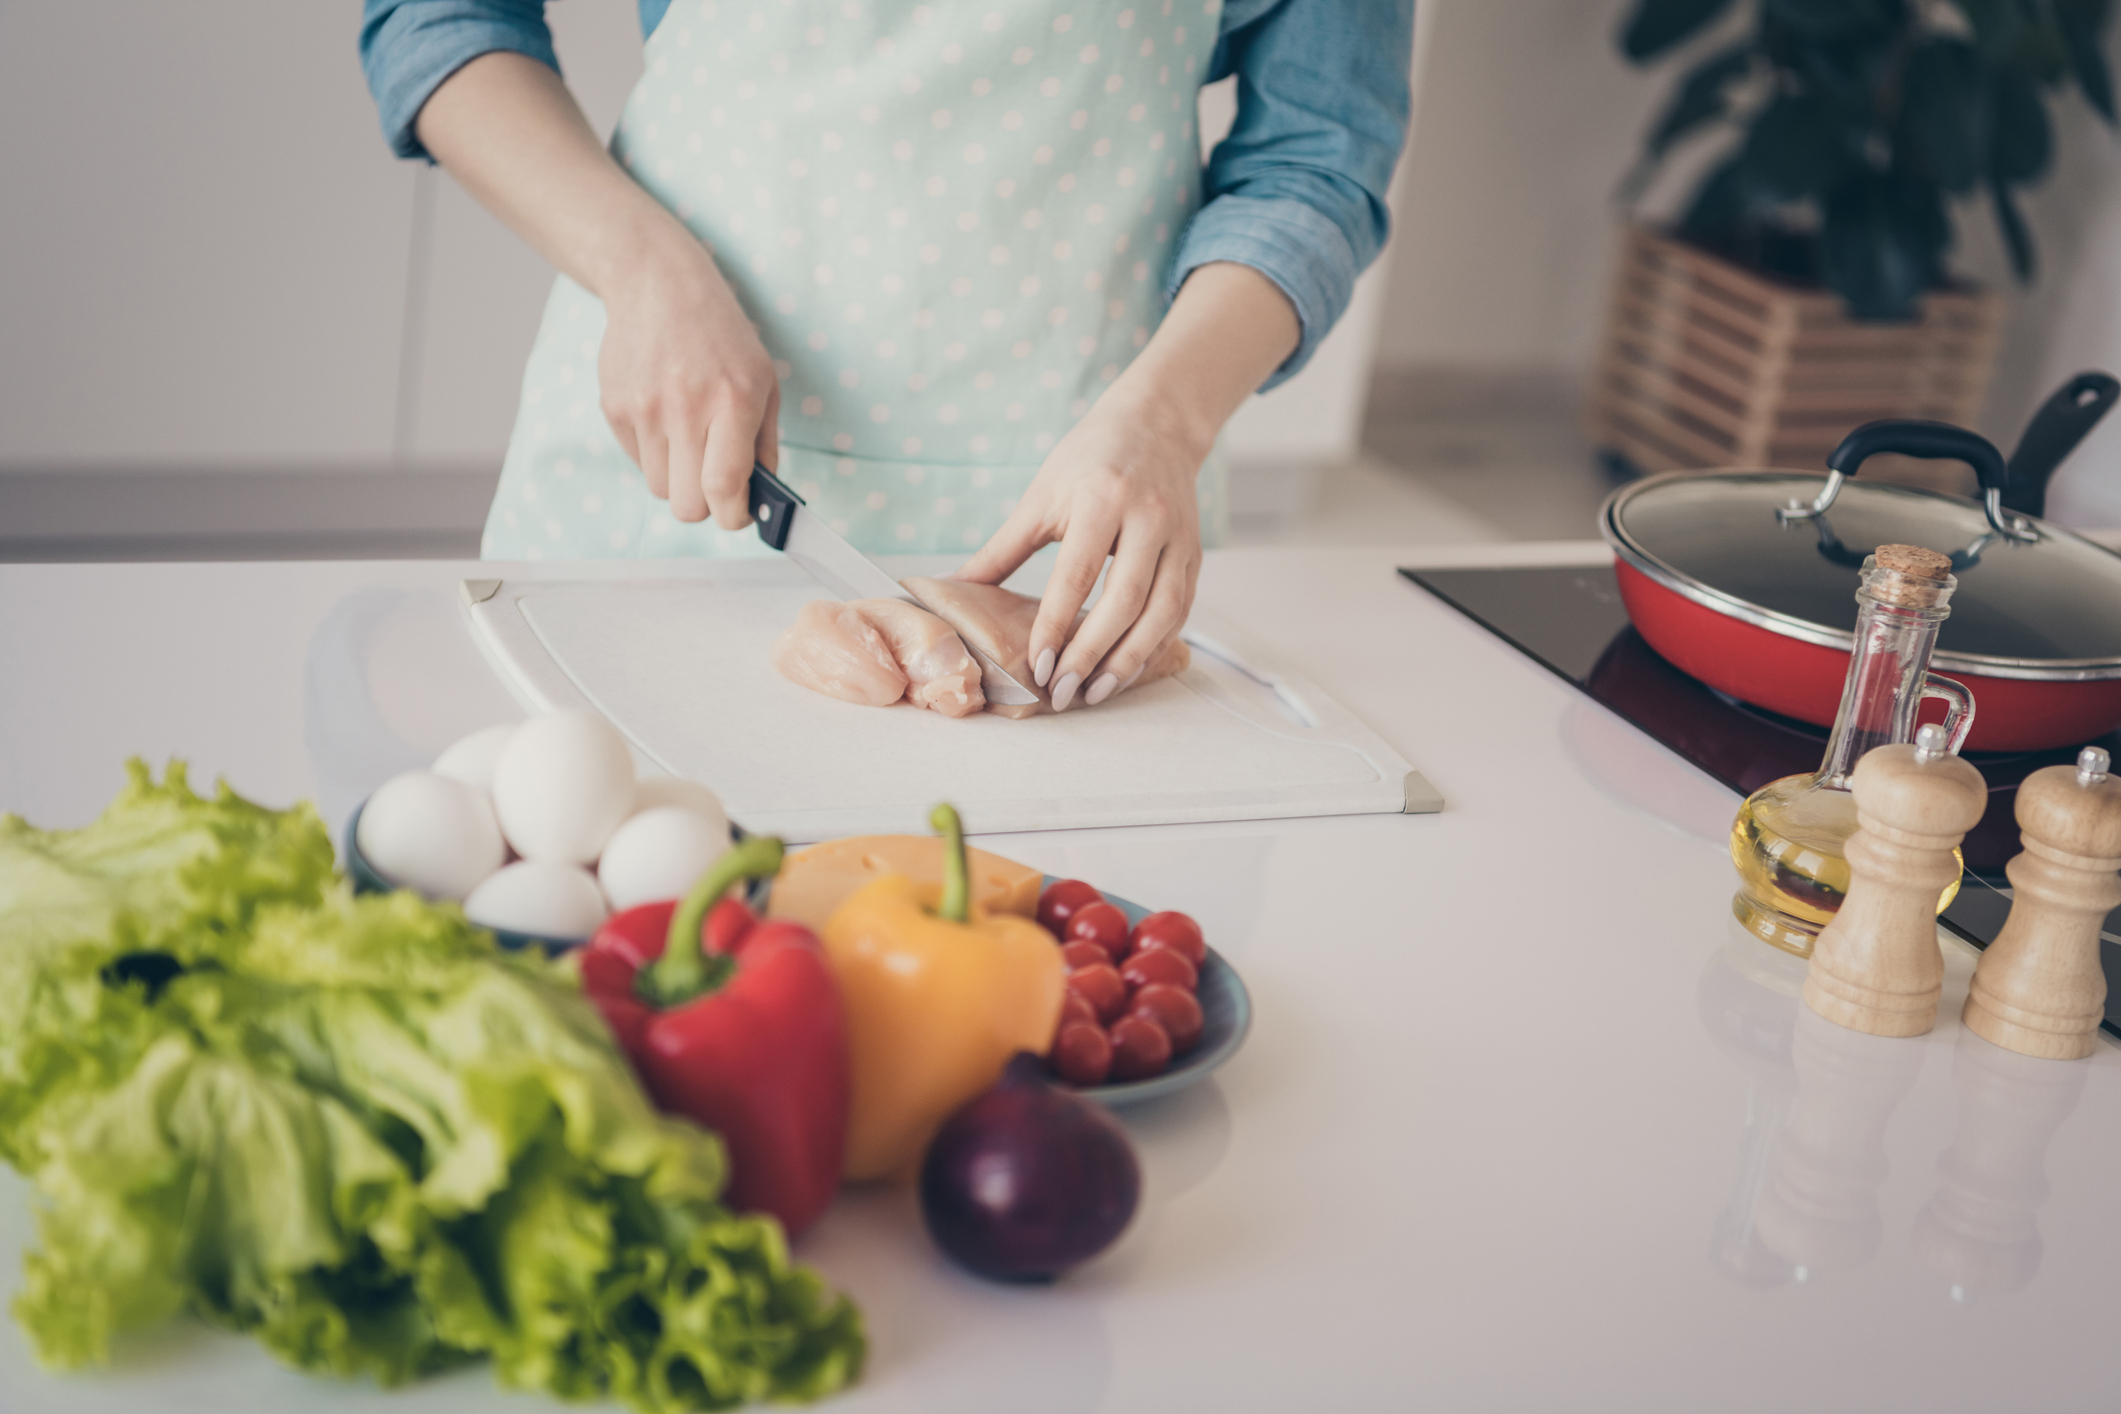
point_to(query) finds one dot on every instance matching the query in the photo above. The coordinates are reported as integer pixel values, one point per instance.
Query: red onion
(1028, 1180)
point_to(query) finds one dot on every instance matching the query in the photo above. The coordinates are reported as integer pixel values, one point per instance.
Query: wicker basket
(1706, 364)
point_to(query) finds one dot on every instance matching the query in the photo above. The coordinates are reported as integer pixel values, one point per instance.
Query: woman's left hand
(1119, 484)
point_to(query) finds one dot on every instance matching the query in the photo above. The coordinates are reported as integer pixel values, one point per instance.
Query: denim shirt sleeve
(409, 46)
(1297, 190)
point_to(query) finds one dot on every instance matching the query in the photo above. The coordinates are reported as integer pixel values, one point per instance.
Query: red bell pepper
(735, 1024)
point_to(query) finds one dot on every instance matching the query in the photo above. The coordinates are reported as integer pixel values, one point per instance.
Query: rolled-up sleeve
(1297, 190)
(409, 46)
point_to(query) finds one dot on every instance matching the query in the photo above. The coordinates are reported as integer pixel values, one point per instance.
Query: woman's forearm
(682, 379)
(511, 134)
(1229, 328)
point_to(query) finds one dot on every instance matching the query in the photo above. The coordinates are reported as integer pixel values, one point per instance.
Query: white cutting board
(680, 666)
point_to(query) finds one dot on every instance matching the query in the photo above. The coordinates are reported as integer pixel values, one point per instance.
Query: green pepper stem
(684, 972)
(956, 906)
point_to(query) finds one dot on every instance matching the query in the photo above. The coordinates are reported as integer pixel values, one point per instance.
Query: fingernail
(1064, 691)
(1101, 689)
(1044, 669)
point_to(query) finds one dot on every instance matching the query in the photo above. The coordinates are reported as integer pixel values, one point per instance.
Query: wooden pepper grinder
(1876, 966)
(2039, 989)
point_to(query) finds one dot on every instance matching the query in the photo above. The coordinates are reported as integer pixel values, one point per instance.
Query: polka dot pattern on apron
(951, 223)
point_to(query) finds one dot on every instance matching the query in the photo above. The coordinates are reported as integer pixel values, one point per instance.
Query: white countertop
(1523, 1123)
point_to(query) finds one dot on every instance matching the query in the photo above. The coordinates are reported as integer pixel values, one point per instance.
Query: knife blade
(786, 522)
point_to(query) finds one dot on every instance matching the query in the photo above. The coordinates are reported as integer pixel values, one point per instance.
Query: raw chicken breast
(831, 648)
(940, 674)
(998, 622)
(873, 652)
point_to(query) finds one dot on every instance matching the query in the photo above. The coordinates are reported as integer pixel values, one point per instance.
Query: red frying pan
(1747, 579)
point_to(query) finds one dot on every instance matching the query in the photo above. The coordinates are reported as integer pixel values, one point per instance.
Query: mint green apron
(951, 223)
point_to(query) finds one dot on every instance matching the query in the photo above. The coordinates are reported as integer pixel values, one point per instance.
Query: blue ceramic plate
(1226, 1014)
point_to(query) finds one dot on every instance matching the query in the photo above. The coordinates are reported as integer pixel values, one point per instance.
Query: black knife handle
(772, 506)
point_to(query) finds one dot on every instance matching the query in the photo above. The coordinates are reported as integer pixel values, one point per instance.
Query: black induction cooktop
(1569, 620)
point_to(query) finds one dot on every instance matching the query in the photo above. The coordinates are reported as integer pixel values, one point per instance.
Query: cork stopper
(1909, 576)
(1914, 560)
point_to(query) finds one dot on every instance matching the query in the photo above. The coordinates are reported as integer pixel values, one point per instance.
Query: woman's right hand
(687, 387)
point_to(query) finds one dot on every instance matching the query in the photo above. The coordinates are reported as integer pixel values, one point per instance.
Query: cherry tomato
(1174, 931)
(1073, 1009)
(1100, 986)
(1099, 923)
(1080, 955)
(1159, 965)
(1083, 1054)
(1173, 1008)
(1059, 902)
(1140, 1048)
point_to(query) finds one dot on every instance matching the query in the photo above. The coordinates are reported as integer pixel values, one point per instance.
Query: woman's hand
(687, 387)
(1120, 483)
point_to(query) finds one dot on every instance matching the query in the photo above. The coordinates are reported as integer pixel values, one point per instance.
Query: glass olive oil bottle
(1788, 839)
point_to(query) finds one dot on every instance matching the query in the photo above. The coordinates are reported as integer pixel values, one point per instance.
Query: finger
(1160, 621)
(687, 445)
(1022, 535)
(1082, 558)
(1127, 586)
(725, 474)
(656, 467)
(1156, 655)
(630, 444)
(768, 447)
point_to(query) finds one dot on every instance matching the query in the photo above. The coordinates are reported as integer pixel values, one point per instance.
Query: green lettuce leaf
(162, 871)
(355, 1129)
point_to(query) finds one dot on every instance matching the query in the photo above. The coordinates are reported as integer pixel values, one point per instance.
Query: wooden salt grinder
(2039, 989)
(1876, 966)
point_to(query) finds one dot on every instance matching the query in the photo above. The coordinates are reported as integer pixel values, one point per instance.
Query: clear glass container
(1788, 839)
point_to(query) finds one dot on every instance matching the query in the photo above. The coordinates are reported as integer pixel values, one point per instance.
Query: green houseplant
(1855, 123)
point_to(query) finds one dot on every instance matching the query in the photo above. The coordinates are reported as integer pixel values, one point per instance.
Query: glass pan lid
(2053, 604)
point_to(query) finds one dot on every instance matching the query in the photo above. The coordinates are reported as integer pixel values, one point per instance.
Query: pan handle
(1958, 708)
(2056, 429)
(1913, 437)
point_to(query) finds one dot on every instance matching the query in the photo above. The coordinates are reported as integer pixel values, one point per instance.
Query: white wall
(202, 240)
(2070, 320)
(1525, 121)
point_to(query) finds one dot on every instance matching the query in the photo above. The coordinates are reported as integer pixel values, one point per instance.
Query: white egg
(558, 901)
(562, 785)
(659, 854)
(652, 791)
(427, 832)
(472, 760)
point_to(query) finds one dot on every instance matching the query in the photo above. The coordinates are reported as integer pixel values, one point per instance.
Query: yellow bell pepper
(939, 994)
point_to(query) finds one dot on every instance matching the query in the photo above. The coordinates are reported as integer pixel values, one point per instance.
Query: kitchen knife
(786, 522)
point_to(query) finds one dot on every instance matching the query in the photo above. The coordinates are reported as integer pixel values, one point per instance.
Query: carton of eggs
(541, 828)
